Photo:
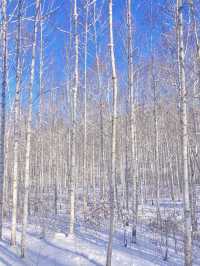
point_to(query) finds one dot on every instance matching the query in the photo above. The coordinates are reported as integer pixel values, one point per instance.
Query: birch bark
(184, 135)
(113, 141)
(28, 133)
(16, 128)
(2, 107)
(72, 180)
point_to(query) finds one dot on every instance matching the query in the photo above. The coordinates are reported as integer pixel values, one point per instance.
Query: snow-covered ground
(87, 247)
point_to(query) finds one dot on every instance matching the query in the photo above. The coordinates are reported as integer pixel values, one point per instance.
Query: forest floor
(87, 247)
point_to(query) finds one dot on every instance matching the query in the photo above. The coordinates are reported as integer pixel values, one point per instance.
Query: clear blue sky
(56, 40)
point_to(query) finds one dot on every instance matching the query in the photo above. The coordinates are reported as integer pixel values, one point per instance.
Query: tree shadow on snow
(75, 253)
(139, 250)
(10, 255)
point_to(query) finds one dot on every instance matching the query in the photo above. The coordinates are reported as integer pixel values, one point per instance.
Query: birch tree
(99, 82)
(113, 141)
(2, 106)
(85, 111)
(28, 133)
(16, 125)
(184, 135)
(72, 180)
(132, 119)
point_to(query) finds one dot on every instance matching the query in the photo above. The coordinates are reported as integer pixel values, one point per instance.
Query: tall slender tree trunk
(16, 127)
(134, 171)
(127, 165)
(40, 128)
(2, 107)
(102, 170)
(156, 141)
(85, 113)
(28, 134)
(113, 147)
(72, 180)
(155, 124)
(184, 135)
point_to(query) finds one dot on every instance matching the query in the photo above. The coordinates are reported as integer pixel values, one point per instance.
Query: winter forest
(99, 132)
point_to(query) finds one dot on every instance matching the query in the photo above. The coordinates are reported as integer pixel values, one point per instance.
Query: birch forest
(99, 132)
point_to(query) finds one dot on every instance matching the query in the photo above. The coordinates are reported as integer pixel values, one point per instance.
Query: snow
(85, 248)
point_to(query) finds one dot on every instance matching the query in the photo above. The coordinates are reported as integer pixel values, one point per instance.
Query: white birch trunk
(72, 180)
(102, 170)
(184, 135)
(2, 107)
(85, 113)
(28, 139)
(134, 171)
(113, 147)
(16, 129)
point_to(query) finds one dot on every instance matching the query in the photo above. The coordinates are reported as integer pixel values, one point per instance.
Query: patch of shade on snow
(85, 248)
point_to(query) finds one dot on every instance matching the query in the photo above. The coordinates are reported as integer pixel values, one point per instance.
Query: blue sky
(56, 39)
